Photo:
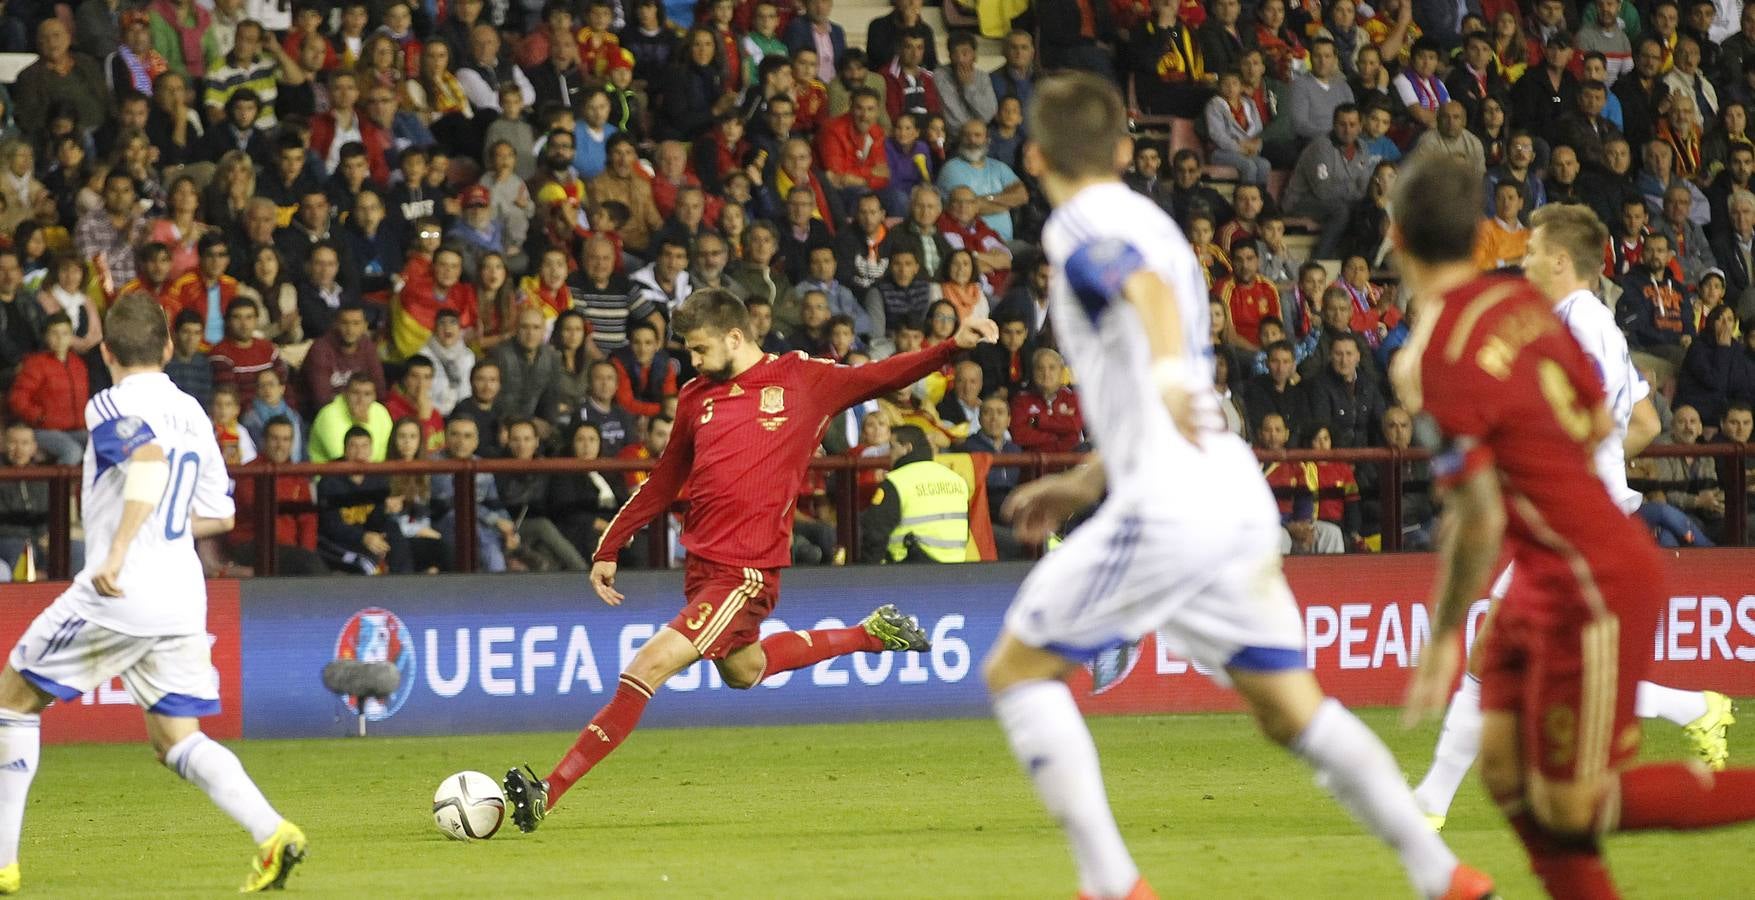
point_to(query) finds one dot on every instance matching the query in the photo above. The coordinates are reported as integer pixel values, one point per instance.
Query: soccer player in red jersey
(745, 430)
(1522, 408)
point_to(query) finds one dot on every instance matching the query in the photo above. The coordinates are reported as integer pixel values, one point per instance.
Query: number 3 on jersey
(185, 467)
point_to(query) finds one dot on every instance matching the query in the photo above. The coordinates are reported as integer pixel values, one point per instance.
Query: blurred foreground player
(1563, 260)
(154, 483)
(745, 430)
(1522, 410)
(1187, 542)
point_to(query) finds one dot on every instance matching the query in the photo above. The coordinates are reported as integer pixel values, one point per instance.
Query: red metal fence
(63, 483)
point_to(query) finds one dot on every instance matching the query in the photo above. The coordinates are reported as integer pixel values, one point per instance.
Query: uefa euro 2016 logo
(377, 635)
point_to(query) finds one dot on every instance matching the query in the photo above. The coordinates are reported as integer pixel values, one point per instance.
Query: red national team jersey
(1512, 389)
(742, 447)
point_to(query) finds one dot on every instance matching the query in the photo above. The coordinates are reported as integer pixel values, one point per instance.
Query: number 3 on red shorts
(696, 622)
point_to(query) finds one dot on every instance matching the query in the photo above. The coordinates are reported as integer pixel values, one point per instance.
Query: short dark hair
(1436, 203)
(713, 309)
(355, 432)
(419, 360)
(277, 422)
(135, 330)
(237, 304)
(912, 435)
(209, 241)
(1279, 346)
(1091, 120)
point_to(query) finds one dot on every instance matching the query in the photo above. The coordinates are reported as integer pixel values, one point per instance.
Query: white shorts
(1213, 590)
(64, 655)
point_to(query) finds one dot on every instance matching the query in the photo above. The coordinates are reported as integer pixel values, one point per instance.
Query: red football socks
(607, 730)
(1683, 796)
(1570, 868)
(790, 650)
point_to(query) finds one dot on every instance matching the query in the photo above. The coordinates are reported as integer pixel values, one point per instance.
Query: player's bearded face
(711, 353)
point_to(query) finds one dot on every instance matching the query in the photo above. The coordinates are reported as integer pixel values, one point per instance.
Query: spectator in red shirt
(295, 515)
(208, 291)
(650, 447)
(1045, 416)
(241, 356)
(50, 392)
(810, 95)
(964, 229)
(851, 148)
(645, 373)
(1249, 297)
(343, 124)
(911, 85)
(340, 354)
(412, 398)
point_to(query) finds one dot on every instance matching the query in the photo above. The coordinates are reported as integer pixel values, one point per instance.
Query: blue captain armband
(114, 440)
(1096, 272)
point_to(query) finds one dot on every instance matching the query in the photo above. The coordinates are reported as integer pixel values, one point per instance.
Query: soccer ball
(468, 806)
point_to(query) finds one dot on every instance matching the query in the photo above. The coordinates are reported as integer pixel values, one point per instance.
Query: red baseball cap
(476, 195)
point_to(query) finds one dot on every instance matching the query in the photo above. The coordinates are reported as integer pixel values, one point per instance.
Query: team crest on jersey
(773, 399)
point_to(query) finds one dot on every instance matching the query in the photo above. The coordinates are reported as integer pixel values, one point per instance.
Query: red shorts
(726, 605)
(1571, 678)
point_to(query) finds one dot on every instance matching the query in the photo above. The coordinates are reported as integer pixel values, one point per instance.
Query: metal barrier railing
(63, 482)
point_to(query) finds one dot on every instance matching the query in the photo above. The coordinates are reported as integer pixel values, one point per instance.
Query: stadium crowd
(457, 228)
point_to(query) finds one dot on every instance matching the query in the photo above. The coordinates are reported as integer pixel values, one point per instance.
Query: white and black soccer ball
(469, 806)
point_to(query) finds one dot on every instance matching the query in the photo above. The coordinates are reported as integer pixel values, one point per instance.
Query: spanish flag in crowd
(414, 311)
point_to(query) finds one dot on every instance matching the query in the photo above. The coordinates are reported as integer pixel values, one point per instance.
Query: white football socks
(209, 766)
(1458, 744)
(1654, 701)
(1051, 742)
(1352, 764)
(19, 747)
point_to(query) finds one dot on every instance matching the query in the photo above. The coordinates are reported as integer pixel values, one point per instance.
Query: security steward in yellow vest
(921, 511)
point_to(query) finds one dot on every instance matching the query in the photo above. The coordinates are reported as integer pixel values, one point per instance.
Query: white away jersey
(1094, 243)
(1593, 326)
(162, 588)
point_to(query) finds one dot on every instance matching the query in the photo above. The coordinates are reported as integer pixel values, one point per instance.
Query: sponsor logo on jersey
(375, 634)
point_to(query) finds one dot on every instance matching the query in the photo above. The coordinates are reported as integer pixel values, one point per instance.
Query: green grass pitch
(911, 809)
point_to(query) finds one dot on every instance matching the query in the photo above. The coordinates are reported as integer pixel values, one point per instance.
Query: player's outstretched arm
(144, 479)
(1469, 536)
(843, 386)
(1038, 508)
